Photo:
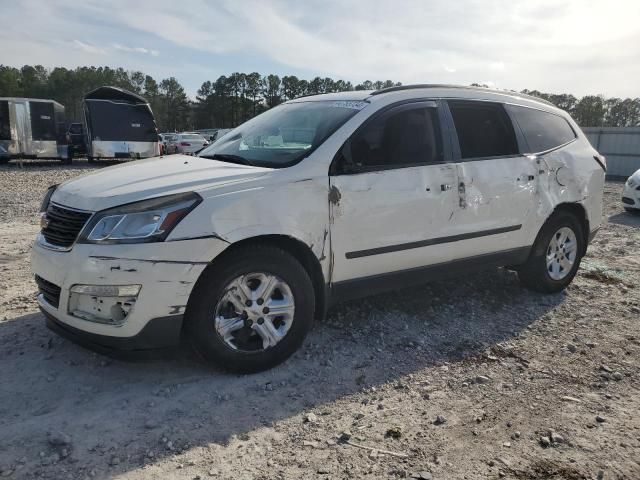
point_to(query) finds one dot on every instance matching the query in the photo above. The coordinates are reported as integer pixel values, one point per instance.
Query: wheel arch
(300, 252)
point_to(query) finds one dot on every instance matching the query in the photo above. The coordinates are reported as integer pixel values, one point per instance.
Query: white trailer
(32, 128)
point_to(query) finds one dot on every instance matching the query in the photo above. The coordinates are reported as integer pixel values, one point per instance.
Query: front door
(393, 193)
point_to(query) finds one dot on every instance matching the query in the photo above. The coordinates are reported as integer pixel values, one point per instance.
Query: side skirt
(375, 284)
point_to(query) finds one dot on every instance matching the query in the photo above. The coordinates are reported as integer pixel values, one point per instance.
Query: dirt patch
(469, 376)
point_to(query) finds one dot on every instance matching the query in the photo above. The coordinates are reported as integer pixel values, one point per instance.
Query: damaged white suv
(317, 200)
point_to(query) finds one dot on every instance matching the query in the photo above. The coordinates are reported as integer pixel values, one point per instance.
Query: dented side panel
(497, 193)
(296, 209)
(391, 207)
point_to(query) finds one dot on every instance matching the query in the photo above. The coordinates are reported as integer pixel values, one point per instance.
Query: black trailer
(120, 124)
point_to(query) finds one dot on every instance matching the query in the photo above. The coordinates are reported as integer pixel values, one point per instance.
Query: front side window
(401, 137)
(283, 135)
(542, 130)
(484, 129)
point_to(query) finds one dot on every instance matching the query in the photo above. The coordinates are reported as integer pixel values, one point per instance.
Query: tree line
(230, 100)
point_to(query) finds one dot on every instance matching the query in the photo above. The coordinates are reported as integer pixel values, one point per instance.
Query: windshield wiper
(225, 157)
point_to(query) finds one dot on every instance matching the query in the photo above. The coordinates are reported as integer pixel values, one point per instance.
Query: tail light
(602, 161)
(185, 144)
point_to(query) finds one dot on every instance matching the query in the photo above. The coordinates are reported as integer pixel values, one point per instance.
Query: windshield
(284, 135)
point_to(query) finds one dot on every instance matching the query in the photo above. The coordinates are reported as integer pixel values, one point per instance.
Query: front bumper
(157, 333)
(631, 196)
(166, 271)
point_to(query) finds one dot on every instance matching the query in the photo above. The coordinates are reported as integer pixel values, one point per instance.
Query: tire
(535, 274)
(215, 285)
(69, 159)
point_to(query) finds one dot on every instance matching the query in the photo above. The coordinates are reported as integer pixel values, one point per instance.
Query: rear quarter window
(542, 130)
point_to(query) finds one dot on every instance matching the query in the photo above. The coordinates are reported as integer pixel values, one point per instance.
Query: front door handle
(444, 187)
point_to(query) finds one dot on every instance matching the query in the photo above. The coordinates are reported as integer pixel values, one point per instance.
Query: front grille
(50, 291)
(63, 225)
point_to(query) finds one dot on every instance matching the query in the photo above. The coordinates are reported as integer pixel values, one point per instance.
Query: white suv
(317, 200)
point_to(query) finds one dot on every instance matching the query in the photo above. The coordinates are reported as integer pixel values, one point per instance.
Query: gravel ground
(474, 378)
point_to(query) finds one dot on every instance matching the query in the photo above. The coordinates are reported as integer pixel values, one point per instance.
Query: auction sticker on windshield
(349, 104)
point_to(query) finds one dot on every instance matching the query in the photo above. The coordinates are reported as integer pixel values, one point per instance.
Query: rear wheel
(555, 256)
(251, 310)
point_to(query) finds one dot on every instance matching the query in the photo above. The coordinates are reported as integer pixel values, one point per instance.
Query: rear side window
(5, 125)
(542, 130)
(484, 129)
(408, 136)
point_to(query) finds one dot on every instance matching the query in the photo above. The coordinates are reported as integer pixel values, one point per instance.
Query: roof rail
(399, 88)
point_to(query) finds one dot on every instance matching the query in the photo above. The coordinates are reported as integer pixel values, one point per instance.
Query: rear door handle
(444, 187)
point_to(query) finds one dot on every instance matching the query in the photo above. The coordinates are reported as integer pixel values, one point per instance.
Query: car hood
(152, 177)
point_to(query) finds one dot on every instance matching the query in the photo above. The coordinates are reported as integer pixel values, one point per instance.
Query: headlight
(47, 198)
(140, 222)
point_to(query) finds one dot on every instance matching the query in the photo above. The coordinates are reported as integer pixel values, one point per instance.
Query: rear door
(497, 184)
(392, 194)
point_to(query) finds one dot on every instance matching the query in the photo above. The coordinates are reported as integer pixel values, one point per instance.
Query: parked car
(169, 143)
(315, 201)
(631, 193)
(189, 143)
(221, 132)
(76, 139)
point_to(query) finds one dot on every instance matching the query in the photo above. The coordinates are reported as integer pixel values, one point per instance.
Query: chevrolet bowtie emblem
(44, 221)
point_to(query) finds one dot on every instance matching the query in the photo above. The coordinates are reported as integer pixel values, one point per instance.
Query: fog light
(110, 304)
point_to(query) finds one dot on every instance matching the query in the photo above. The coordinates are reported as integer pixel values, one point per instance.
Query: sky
(563, 46)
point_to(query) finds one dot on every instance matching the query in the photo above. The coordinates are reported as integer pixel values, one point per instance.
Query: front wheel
(555, 256)
(251, 310)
